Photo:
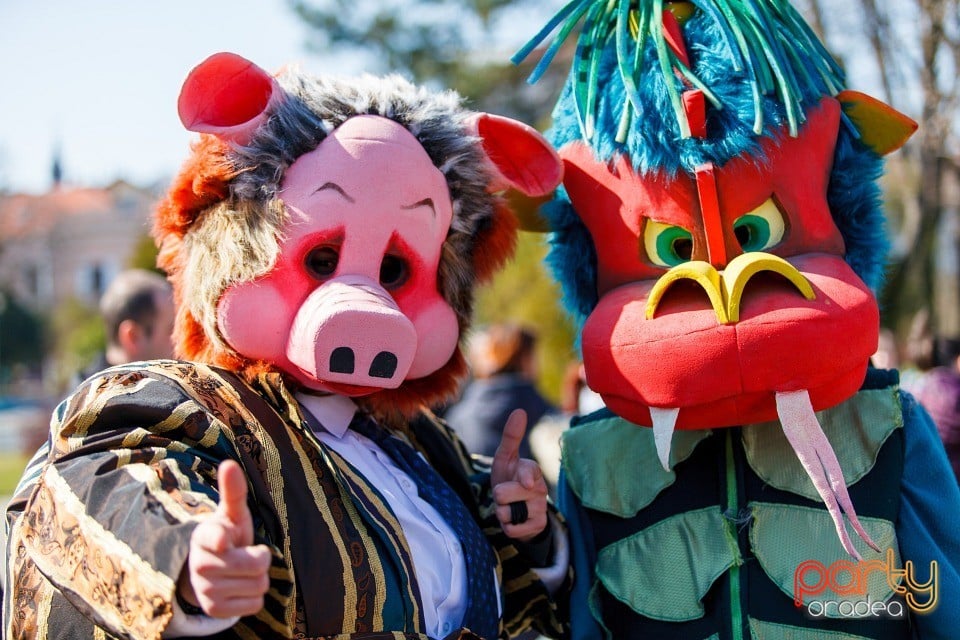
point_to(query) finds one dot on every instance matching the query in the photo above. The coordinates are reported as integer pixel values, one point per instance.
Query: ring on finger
(518, 512)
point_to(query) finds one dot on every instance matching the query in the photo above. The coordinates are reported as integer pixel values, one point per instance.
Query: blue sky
(102, 78)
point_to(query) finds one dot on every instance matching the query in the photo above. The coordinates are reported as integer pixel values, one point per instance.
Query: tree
(144, 255)
(459, 44)
(77, 336)
(914, 56)
(22, 336)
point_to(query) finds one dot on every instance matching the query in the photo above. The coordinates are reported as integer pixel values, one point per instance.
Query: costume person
(719, 237)
(285, 479)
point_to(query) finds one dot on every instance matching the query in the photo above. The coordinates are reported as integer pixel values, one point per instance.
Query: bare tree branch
(877, 28)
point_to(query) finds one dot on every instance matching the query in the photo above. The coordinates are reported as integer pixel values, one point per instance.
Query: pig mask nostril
(384, 365)
(341, 360)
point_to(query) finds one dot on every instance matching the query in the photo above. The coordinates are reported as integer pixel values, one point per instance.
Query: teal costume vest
(713, 548)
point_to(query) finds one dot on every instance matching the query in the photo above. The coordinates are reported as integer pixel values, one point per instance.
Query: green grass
(11, 467)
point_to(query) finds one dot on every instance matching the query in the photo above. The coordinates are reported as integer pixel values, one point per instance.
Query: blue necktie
(481, 616)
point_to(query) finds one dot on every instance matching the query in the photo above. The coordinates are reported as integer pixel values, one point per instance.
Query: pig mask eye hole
(394, 271)
(322, 262)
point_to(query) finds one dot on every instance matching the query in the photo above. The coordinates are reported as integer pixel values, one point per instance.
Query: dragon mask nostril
(341, 360)
(384, 365)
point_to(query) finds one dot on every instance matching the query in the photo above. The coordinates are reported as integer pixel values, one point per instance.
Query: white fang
(664, 422)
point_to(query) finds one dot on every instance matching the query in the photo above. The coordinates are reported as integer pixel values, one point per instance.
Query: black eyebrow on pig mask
(426, 202)
(334, 186)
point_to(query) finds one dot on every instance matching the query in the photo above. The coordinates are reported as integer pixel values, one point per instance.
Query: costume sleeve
(583, 559)
(929, 524)
(132, 470)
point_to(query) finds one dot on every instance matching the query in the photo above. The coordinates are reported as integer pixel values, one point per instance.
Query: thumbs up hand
(226, 574)
(519, 489)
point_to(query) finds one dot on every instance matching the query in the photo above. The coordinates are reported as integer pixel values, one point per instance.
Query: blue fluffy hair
(654, 144)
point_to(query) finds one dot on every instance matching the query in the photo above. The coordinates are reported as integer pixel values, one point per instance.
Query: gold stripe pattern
(383, 514)
(130, 594)
(316, 491)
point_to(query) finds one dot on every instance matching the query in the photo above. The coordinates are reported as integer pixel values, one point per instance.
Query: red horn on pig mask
(355, 301)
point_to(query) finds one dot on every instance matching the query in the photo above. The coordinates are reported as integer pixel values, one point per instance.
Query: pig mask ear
(226, 95)
(521, 160)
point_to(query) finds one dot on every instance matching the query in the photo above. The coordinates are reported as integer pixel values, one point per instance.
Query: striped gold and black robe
(96, 544)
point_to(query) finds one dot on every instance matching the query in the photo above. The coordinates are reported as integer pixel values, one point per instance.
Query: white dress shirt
(434, 548)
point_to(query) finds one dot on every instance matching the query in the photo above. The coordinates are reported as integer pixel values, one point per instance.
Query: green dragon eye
(667, 245)
(760, 229)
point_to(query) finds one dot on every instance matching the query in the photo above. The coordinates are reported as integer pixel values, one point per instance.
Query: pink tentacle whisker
(816, 455)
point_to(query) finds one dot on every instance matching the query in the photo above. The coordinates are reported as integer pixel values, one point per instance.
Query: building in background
(60, 250)
(69, 242)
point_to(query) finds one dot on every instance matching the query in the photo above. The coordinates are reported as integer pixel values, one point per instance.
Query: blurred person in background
(503, 361)
(918, 353)
(137, 311)
(939, 392)
(576, 399)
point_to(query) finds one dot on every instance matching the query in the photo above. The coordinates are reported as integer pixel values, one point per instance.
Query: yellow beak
(725, 290)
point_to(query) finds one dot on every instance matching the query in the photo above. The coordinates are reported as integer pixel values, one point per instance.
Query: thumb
(233, 503)
(508, 453)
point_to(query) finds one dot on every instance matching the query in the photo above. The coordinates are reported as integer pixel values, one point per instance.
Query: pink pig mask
(352, 304)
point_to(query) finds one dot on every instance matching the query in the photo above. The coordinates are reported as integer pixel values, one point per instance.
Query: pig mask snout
(351, 331)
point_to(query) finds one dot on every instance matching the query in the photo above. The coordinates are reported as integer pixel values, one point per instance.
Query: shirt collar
(333, 412)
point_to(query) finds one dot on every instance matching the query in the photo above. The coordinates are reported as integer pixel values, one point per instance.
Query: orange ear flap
(881, 127)
(226, 95)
